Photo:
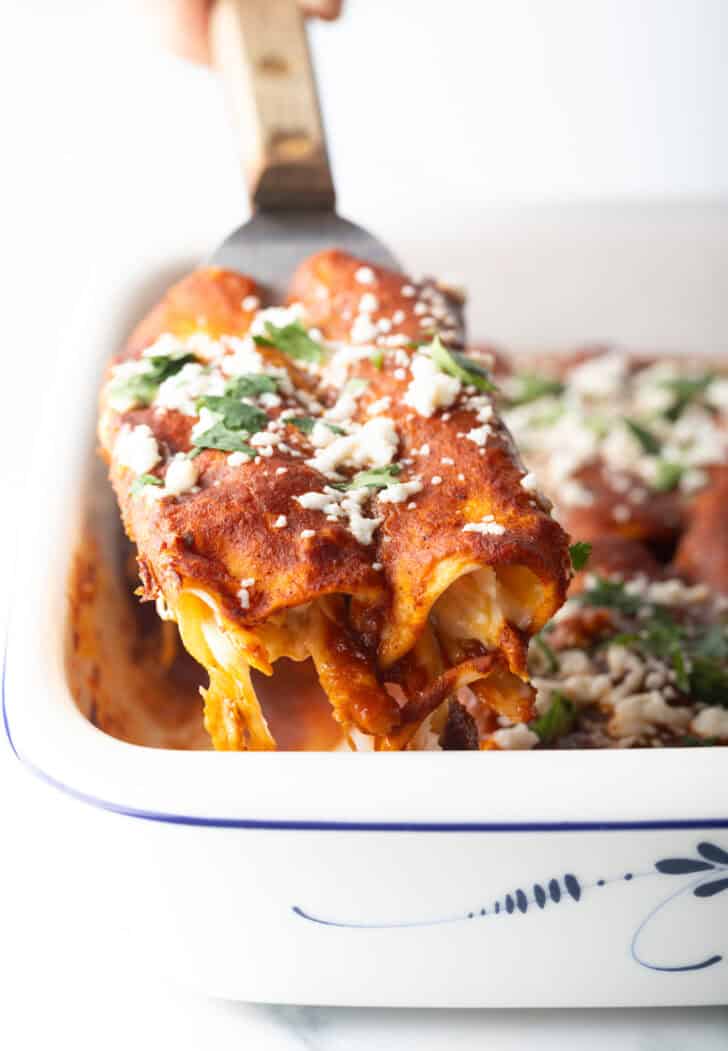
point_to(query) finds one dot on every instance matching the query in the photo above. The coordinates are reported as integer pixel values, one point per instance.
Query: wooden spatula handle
(260, 47)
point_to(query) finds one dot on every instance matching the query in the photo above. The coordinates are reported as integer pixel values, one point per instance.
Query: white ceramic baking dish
(507, 879)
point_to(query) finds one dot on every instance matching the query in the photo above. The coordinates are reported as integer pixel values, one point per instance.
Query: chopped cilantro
(221, 437)
(714, 643)
(708, 673)
(460, 366)
(377, 358)
(141, 389)
(375, 478)
(302, 423)
(650, 444)
(531, 388)
(661, 636)
(143, 481)
(684, 391)
(307, 424)
(250, 386)
(552, 661)
(236, 415)
(667, 476)
(557, 721)
(579, 554)
(291, 339)
(688, 741)
(708, 680)
(609, 593)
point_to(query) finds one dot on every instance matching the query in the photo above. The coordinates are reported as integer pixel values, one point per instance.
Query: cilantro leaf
(375, 478)
(460, 366)
(534, 387)
(377, 359)
(685, 390)
(250, 386)
(141, 388)
(714, 643)
(708, 674)
(142, 481)
(162, 366)
(688, 741)
(663, 637)
(552, 661)
(302, 423)
(220, 437)
(307, 424)
(579, 554)
(708, 680)
(557, 721)
(650, 444)
(291, 339)
(611, 594)
(667, 476)
(236, 415)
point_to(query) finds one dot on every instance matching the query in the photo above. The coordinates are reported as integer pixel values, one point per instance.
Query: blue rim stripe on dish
(341, 826)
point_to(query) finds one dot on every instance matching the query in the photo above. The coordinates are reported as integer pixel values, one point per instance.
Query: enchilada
(329, 479)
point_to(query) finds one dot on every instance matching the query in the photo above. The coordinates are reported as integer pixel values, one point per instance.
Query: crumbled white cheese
(363, 330)
(436, 479)
(181, 391)
(373, 445)
(486, 525)
(515, 738)
(717, 394)
(479, 435)
(279, 317)
(137, 449)
(281, 522)
(359, 525)
(379, 406)
(306, 534)
(368, 303)
(243, 359)
(118, 400)
(398, 492)
(346, 404)
(430, 389)
(250, 303)
(600, 376)
(181, 475)
(640, 713)
(236, 459)
(365, 275)
(207, 420)
(244, 598)
(676, 592)
(313, 501)
(711, 722)
(265, 439)
(166, 345)
(281, 470)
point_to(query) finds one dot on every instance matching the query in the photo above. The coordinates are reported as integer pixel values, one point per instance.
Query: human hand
(182, 25)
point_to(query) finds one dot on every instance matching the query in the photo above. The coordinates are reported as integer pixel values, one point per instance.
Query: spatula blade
(271, 245)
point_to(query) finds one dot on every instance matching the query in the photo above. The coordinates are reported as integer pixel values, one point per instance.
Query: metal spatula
(261, 49)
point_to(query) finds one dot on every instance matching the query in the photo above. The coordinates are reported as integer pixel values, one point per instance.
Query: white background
(437, 113)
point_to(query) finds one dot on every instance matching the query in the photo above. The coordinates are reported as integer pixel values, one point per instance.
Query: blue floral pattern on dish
(709, 870)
